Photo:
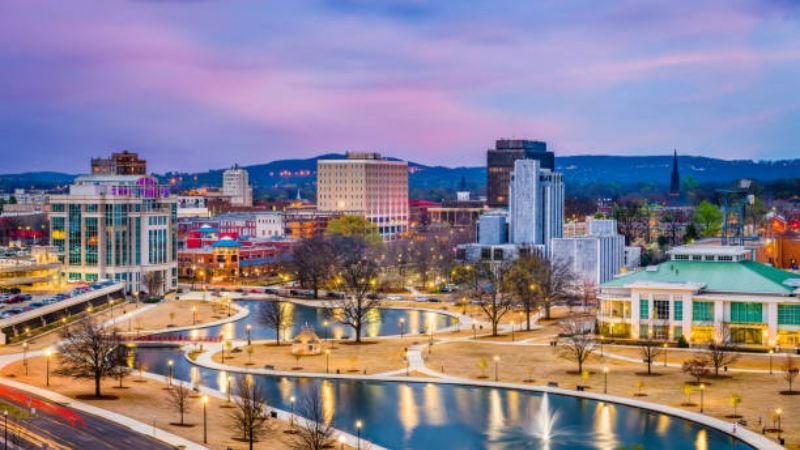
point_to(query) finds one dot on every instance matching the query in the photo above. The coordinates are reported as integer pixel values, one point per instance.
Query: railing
(167, 339)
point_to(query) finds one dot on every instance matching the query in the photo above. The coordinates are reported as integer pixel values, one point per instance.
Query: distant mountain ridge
(578, 170)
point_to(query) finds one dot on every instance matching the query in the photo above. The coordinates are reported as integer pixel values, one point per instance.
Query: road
(61, 428)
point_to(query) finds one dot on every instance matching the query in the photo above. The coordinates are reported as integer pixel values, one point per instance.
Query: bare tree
(250, 414)
(650, 351)
(315, 431)
(276, 315)
(521, 281)
(790, 371)
(155, 283)
(696, 367)
(487, 283)
(312, 262)
(576, 342)
(90, 351)
(554, 282)
(721, 352)
(588, 291)
(358, 273)
(179, 397)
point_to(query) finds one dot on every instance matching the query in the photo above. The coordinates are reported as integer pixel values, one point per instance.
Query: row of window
(740, 312)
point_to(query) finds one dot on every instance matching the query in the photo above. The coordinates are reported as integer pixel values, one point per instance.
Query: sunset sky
(198, 84)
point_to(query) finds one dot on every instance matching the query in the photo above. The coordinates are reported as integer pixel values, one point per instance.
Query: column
(687, 316)
(635, 315)
(772, 324)
(719, 318)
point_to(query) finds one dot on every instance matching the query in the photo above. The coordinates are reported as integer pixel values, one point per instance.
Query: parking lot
(12, 304)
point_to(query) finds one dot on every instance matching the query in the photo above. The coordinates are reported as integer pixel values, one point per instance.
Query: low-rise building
(704, 293)
(594, 257)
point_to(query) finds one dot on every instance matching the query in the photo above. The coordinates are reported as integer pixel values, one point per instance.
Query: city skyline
(434, 83)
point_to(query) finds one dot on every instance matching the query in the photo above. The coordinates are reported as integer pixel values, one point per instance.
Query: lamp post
(169, 368)
(205, 419)
(325, 326)
(291, 417)
(496, 368)
(402, 326)
(47, 354)
(778, 412)
(605, 380)
(359, 424)
(194, 315)
(228, 391)
(601, 347)
(249, 328)
(327, 360)
(665, 354)
(702, 392)
(25, 357)
(222, 354)
(408, 364)
(770, 362)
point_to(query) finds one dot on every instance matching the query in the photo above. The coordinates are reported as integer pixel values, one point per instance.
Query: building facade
(536, 212)
(236, 186)
(594, 257)
(120, 163)
(704, 294)
(500, 163)
(368, 185)
(117, 227)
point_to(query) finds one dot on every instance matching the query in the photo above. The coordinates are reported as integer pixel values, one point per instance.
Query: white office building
(595, 257)
(116, 227)
(270, 224)
(236, 185)
(536, 208)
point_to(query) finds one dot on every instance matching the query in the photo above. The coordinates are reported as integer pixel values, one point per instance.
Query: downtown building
(704, 294)
(116, 227)
(595, 257)
(367, 185)
(500, 163)
(236, 186)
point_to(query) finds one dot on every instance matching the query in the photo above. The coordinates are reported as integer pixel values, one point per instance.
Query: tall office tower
(536, 208)
(368, 185)
(236, 185)
(117, 227)
(120, 163)
(500, 162)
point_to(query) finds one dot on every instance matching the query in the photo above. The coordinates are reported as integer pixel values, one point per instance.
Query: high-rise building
(117, 227)
(500, 163)
(120, 163)
(236, 185)
(594, 257)
(368, 185)
(536, 212)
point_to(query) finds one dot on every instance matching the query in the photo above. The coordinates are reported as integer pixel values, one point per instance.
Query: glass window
(644, 309)
(643, 334)
(678, 310)
(678, 332)
(702, 311)
(661, 309)
(746, 312)
(788, 314)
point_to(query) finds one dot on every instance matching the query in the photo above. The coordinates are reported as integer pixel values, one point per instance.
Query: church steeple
(675, 179)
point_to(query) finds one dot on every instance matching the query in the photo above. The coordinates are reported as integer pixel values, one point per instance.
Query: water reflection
(433, 416)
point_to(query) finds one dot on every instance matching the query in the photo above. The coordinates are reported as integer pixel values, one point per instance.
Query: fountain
(545, 421)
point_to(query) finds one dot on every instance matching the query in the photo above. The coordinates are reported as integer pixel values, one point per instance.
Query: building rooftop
(226, 242)
(744, 277)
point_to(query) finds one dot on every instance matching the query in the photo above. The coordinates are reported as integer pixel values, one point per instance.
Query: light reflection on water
(433, 416)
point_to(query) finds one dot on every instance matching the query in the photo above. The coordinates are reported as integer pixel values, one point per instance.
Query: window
(644, 309)
(677, 332)
(678, 310)
(643, 334)
(661, 309)
(746, 312)
(702, 311)
(788, 314)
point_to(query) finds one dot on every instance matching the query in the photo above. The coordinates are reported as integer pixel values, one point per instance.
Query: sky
(199, 84)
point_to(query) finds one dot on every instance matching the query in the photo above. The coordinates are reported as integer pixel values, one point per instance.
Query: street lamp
(601, 347)
(230, 378)
(205, 419)
(665, 354)
(702, 391)
(359, 424)
(248, 328)
(194, 315)
(402, 326)
(325, 326)
(327, 360)
(25, 357)
(47, 354)
(605, 380)
(408, 364)
(496, 365)
(169, 367)
(778, 412)
(770, 362)
(291, 417)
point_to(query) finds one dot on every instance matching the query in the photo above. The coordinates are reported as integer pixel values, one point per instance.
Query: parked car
(49, 301)
(338, 295)
(35, 305)
(373, 296)
(434, 300)
(420, 298)
(25, 297)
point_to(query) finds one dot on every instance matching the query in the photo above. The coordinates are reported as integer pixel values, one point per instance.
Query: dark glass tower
(500, 163)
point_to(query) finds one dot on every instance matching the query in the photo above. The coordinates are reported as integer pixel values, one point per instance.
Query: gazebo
(306, 342)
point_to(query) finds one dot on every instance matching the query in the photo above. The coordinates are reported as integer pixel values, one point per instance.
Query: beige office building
(367, 185)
